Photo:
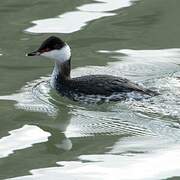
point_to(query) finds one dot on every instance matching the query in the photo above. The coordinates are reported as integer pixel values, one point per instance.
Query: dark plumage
(51, 43)
(90, 85)
(103, 85)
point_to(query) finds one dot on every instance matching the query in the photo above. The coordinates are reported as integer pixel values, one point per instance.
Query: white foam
(75, 20)
(22, 138)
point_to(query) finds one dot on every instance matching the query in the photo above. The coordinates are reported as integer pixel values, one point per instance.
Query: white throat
(60, 55)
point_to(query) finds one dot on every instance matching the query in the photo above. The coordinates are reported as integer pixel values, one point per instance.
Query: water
(46, 136)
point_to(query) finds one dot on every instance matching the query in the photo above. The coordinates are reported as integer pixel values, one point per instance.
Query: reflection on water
(147, 136)
(75, 20)
(105, 5)
(122, 140)
(34, 97)
(167, 104)
(161, 67)
(137, 158)
(62, 23)
(129, 118)
(120, 122)
(22, 138)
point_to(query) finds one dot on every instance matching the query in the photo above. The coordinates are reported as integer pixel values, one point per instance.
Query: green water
(86, 137)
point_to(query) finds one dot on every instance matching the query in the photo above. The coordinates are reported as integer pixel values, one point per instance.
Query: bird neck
(61, 72)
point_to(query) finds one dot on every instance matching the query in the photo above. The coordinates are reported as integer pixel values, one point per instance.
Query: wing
(102, 85)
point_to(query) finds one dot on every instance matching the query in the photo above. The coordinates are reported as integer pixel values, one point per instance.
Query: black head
(49, 44)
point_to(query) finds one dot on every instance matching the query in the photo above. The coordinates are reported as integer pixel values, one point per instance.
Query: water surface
(46, 136)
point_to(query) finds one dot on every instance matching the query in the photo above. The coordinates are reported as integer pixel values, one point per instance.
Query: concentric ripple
(34, 97)
(132, 116)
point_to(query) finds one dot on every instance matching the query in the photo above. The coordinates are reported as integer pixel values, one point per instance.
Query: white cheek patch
(60, 55)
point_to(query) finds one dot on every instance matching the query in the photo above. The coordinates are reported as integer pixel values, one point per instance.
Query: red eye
(45, 50)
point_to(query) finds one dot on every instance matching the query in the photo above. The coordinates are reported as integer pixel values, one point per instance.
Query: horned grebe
(90, 85)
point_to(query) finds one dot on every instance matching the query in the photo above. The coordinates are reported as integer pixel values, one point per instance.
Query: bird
(102, 85)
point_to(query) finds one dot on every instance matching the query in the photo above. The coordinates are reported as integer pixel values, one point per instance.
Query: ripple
(119, 119)
(167, 104)
(89, 123)
(105, 5)
(148, 166)
(148, 129)
(22, 138)
(34, 97)
(157, 69)
(130, 117)
(78, 18)
(62, 25)
(141, 64)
